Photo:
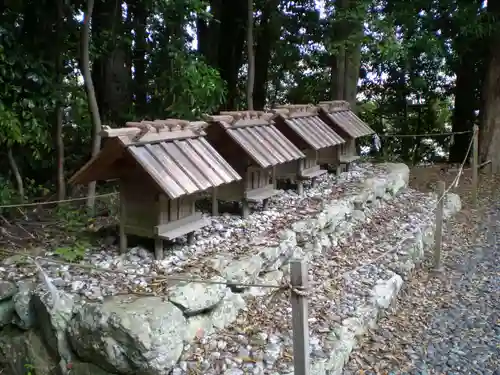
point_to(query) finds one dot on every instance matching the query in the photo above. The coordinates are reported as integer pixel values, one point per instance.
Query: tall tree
(139, 15)
(352, 52)
(91, 97)
(251, 56)
(339, 35)
(58, 133)
(490, 118)
(267, 34)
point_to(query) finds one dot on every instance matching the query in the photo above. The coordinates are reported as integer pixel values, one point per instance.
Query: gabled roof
(339, 112)
(254, 132)
(305, 121)
(174, 153)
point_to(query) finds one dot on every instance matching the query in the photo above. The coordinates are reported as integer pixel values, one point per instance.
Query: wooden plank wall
(329, 155)
(311, 158)
(348, 148)
(175, 209)
(257, 178)
(141, 207)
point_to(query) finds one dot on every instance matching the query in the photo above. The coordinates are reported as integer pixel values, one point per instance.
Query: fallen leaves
(425, 293)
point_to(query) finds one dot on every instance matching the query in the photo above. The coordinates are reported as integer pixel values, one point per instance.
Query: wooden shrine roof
(339, 112)
(255, 133)
(174, 153)
(305, 121)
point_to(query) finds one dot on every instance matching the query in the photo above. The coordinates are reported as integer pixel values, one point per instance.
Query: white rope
(451, 186)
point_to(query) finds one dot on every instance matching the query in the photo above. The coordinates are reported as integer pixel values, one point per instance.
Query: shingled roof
(340, 114)
(174, 153)
(255, 133)
(305, 121)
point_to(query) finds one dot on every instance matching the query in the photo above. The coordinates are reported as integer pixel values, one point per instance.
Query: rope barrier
(91, 268)
(33, 204)
(281, 286)
(451, 186)
(424, 135)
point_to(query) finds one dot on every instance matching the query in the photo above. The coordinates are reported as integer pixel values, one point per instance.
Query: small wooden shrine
(162, 166)
(338, 115)
(302, 125)
(254, 147)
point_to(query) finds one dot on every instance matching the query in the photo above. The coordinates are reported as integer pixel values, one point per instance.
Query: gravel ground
(448, 324)
(259, 341)
(228, 236)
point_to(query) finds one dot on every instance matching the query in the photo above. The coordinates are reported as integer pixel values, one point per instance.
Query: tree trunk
(338, 58)
(354, 36)
(59, 141)
(209, 32)
(233, 33)
(17, 173)
(418, 140)
(110, 74)
(351, 73)
(60, 182)
(401, 108)
(268, 33)
(221, 41)
(464, 107)
(140, 16)
(338, 74)
(251, 56)
(92, 101)
(490, 117)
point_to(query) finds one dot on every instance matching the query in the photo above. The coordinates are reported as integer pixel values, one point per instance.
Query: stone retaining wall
(58, 333)
(383, 295)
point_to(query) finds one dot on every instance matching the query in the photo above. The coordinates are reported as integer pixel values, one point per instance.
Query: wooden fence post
(438, 234)
(475, 162)
(300, 325)
(123, 219)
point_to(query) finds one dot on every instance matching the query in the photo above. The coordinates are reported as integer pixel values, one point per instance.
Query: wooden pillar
(123, 219)
(352, 147)
(158, 249)
(163, 209)
(191, 238)
(300, 187)
(245, 208)
(338, 169)
(300, 183)
(265, 204)
(215, 202)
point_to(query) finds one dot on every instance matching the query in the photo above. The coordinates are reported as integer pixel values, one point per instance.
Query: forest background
(406, 67)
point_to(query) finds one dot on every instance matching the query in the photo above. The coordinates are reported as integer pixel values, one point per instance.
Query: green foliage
(74, 252)
(72, 219)
(411, 49)
(200, 90)
(30, 369)
(7, 192)
(23, 100)
(73, 223)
